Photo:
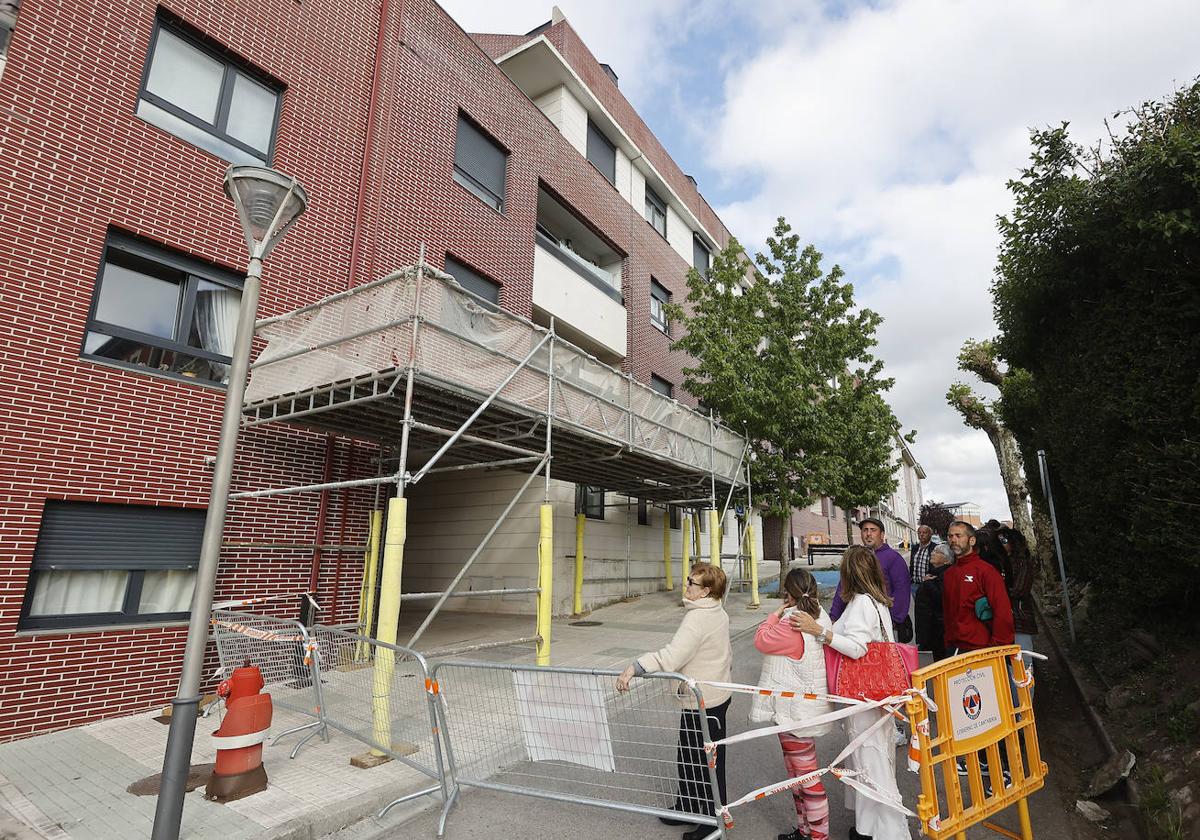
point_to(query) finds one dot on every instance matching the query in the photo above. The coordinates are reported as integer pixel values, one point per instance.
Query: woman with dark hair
(991, 551)
(866, 619)
(789, 663)
(1023, 569)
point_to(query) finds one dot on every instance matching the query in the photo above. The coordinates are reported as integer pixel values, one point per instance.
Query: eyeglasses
(694, 582)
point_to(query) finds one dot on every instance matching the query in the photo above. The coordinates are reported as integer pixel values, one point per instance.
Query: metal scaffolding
(441, 380)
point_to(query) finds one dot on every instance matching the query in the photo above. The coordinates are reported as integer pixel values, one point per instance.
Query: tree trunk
(785, 544)
(849, 527)
(1043, 548)
(1009, 458)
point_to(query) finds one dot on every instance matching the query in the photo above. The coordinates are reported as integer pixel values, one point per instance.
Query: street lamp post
(267, 204)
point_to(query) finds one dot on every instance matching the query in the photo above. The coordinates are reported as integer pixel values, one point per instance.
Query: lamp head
(267, 202)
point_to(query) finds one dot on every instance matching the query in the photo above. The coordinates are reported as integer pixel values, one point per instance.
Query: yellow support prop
(366, 603)
(667, 549)
(686, 566)
(545, 582)
(580, 522)
(754, 602)
(389, 618)
(714, 538)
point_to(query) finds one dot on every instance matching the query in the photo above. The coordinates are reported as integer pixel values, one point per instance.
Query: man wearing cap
(895, 572)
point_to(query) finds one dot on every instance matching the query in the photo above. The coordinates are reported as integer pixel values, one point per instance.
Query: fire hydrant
(239, 771)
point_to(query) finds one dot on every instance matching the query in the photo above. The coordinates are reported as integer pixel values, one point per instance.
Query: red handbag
(885, 670)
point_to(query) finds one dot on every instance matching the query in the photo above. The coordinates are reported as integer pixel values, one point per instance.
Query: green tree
(937, 516)
(788, 360)
(1097, 300)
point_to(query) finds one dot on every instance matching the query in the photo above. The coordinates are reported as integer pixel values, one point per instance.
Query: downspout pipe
(322, 515)
(364, 173)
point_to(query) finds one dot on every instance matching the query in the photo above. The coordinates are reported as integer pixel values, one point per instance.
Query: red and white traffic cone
(239, 771)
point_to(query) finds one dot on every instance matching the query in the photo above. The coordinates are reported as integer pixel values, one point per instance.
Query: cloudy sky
(885, 133)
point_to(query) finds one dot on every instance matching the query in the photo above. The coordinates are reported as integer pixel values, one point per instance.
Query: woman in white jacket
(789, 663)
(866, 619)
(700, 649)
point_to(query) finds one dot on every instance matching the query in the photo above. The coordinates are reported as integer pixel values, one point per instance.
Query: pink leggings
(812, 806)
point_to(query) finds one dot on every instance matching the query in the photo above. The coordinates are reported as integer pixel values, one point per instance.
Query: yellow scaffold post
(580, 522)
(545, 596)
(714, 537)
(389, 618)
(667, 549)
(685, 568)
(754, 602)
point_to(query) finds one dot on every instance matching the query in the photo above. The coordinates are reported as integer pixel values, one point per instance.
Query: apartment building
(514, 161)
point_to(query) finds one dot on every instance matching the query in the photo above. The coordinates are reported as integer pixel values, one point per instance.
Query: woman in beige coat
(700, 650)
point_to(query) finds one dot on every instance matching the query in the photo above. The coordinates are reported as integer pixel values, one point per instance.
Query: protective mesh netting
(467, 345)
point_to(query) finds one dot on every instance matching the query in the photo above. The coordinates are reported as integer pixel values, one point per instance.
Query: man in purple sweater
(895, 572)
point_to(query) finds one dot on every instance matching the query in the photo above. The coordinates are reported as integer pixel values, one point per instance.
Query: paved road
(751, 765)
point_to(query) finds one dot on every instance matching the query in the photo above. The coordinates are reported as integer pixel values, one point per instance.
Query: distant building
(966, 511)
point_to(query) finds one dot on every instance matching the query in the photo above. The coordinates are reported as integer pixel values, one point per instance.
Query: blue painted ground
(826, 579)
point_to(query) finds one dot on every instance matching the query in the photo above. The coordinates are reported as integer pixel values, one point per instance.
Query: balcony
(577, 281)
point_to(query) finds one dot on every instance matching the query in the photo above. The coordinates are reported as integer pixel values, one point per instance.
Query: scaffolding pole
(754, 600)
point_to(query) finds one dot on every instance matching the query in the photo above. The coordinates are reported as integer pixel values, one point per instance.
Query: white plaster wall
(558, 290)
(679, 234)
(567, 113)
(449, 514)
(624, 173)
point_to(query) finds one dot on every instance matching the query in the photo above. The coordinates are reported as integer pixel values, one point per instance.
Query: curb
(1093, 717)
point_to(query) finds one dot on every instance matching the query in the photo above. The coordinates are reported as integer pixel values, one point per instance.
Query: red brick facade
(79, 162)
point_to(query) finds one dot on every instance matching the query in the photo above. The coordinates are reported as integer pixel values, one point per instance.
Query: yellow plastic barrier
(974, 696)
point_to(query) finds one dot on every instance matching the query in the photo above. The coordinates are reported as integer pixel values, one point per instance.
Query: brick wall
(79, 162)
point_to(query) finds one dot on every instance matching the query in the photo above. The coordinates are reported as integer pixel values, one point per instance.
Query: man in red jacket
(972, 622)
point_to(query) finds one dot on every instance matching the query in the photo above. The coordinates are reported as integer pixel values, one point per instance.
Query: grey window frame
(599, 146)
(233, 66)
(478, 284)
(474, 181)
(662, 386)
(643, 512)
(589, 501)
(133, 585)
(654, 203)
(173, 261)
(674, 519)
(699, 246)
(660, 293)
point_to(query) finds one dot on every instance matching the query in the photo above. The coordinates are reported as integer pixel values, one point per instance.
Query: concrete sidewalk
(72, 784)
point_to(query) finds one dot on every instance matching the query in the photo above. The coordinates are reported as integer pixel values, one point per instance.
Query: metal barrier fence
(566, 734)
(283, 651)
(376, 693)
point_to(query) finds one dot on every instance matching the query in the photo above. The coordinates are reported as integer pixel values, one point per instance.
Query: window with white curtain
(98, 564)
(162, 311)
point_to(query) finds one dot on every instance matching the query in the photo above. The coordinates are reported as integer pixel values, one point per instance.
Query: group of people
(970, 594)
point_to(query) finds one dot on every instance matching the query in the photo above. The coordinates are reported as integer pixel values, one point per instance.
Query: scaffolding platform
(489, 382)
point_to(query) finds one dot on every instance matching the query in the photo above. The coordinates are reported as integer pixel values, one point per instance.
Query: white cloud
(886, 133)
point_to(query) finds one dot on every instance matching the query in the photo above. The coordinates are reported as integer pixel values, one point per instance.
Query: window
(155, 309)
(197, 93)
(480, 163)
(601, 152)
(473, 281)
(656, 212)
(589, 501)
(673, 517)
(659, 297)
(112, 564)
(662, 386)
(701, 256)
(643, 512)
(8, 22)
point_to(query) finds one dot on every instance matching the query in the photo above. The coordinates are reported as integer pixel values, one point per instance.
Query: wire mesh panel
(278, 647)
(379, 694)
(567, 734)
